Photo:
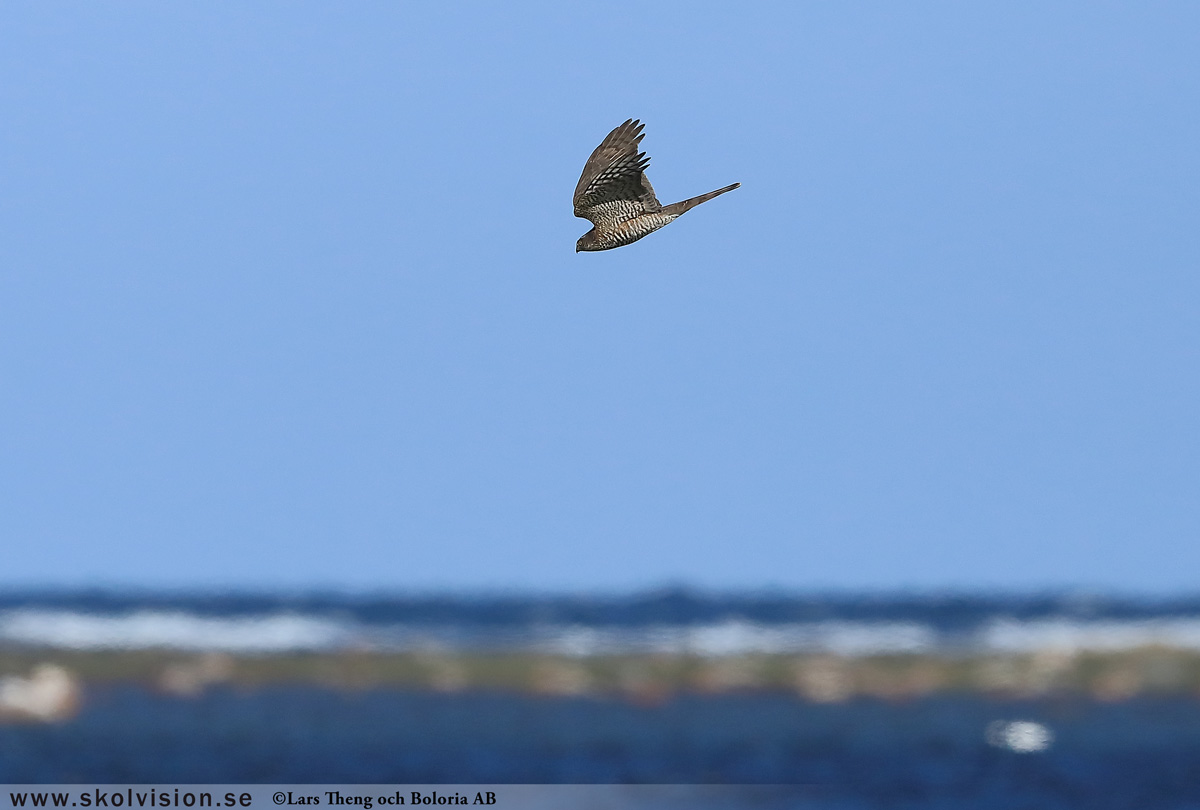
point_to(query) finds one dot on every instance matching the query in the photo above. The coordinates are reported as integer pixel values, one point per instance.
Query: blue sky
(289, 297)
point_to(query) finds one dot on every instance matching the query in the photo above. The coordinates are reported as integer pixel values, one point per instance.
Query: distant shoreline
(821, 678)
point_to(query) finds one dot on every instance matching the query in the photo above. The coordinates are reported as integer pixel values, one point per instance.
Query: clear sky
(289, 296)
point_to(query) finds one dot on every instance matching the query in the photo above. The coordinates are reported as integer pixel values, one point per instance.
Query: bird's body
(615, 195)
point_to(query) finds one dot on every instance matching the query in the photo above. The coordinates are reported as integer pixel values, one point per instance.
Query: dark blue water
(945, 612)
(930, 753)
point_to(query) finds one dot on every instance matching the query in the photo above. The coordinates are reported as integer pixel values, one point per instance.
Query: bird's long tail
(687, 205)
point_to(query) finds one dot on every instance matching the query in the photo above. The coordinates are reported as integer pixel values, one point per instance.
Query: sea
(938, 750)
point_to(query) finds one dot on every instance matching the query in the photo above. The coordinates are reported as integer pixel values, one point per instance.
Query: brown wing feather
(615, 172)
(649, 201)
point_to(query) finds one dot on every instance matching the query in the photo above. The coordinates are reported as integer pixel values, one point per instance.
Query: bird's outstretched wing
(615, 172)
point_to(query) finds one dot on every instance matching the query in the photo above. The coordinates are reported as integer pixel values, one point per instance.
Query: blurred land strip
(821, 678)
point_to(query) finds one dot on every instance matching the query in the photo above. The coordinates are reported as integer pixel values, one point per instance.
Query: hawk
(615, 195)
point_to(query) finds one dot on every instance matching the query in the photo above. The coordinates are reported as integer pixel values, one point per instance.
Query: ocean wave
(170, 630)
(744, 638)
(280, 632)
(1012, 636)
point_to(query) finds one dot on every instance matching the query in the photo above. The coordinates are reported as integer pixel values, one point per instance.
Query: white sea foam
(736, 637)
(290, 631)
(1009, 635)
(169, 629)
(1021, 736)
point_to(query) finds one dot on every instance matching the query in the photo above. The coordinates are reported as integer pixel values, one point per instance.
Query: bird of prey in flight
(615, 195)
